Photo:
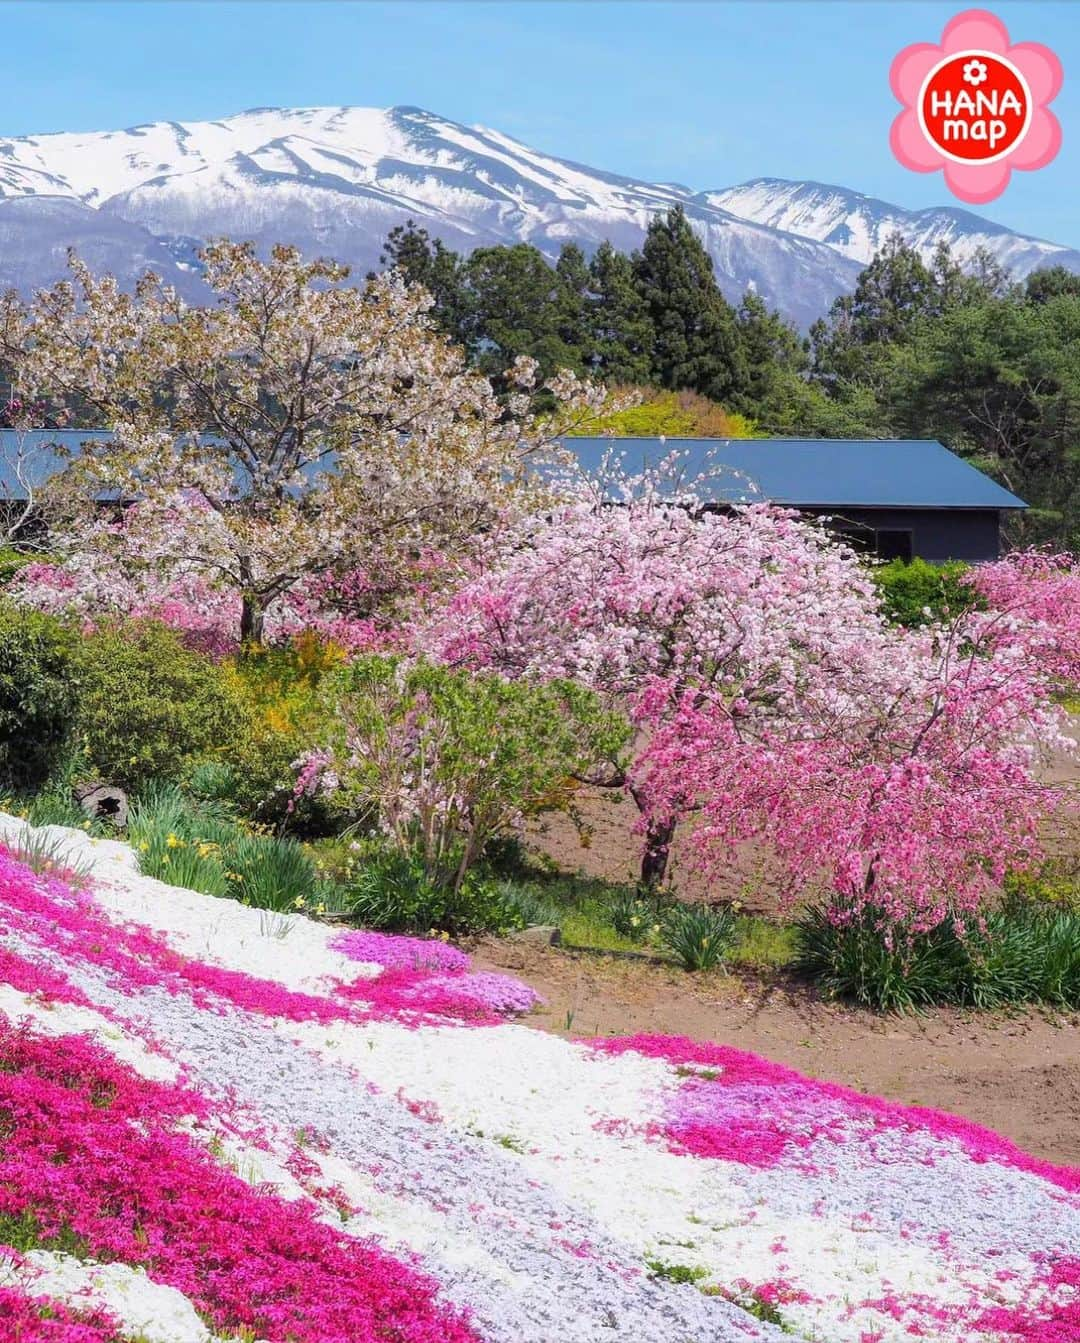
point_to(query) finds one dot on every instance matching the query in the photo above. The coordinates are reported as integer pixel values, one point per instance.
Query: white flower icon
(975, 72)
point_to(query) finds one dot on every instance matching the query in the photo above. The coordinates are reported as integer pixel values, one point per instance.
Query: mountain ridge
(335, 180)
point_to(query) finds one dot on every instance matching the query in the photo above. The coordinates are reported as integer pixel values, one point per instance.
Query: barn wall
(937, 534)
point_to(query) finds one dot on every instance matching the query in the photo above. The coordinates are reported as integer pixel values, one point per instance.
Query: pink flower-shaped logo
(976, 106)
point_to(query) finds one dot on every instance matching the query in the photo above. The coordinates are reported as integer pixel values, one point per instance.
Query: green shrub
(38, 695)
(910, 590)
(449, 762)
(699, 935)
(1024, 953)
(149, 706)
(394, 892)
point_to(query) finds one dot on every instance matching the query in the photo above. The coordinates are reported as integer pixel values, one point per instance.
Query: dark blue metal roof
(801, 472)
(815, 472)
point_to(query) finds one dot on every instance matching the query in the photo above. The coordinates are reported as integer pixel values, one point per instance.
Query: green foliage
(1055, 883)
(392, 891)
(149, 706)
(681, 1273)
(916, 592)
(449, 761)
(762, 944)
(1024, 954)
(38, 694)
(12, 560)
(204, 848)
(699, 935)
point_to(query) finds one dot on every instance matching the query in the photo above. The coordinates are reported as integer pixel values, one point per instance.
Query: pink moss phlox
(39, 1319)
(93, 1151)
(500, 994)
(1056, 1320)
(808, 1107)
(395, 952)
(68, 922)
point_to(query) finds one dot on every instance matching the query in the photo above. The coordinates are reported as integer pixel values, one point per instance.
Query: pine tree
(697, 342)
(514, 298)
(427, 261)
(618, 348)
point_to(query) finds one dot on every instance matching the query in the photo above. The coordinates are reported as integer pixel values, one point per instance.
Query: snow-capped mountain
(335, 181)
(856, 225)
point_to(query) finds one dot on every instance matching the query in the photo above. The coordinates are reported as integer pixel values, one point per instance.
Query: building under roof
(898, 498)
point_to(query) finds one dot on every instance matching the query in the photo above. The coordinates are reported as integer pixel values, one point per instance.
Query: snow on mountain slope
(857, 225)
(335, 181)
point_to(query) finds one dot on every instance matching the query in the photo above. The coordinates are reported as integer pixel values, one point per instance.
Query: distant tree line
(963, 354)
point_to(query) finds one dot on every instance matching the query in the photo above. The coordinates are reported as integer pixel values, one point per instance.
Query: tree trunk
(654, 861)
(252, 618)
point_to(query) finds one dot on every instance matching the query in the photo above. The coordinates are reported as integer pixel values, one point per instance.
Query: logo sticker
(975, 106)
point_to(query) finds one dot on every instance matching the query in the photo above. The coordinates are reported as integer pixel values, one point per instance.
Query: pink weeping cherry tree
(774, 702)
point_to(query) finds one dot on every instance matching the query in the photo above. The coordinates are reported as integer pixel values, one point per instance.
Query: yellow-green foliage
(675, 415)
(1055, 882)
(285, 714)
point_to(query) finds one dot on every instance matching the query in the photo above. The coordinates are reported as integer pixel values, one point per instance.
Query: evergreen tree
(776, 359)
(696, 342)
(573, 300)
(619, 345)
(514, 309)
(1051, 282)
(427, 261)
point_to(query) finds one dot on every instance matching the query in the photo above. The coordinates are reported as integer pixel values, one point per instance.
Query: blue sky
(701, 93)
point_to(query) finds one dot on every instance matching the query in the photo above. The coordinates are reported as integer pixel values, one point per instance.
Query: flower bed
(316, 1135)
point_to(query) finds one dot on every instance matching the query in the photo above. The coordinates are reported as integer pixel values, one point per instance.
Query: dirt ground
(1018, 1074)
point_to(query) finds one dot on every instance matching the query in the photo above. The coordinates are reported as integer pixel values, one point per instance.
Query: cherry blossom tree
(635, 590)
(904, 785)
(298, 427)
(1036, 597)
(894, 768)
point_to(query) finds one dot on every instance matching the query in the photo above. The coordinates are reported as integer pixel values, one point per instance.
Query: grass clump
(680, 1273)
(1023, 953)
(203, 847)
(396, 892)
(700, 936)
